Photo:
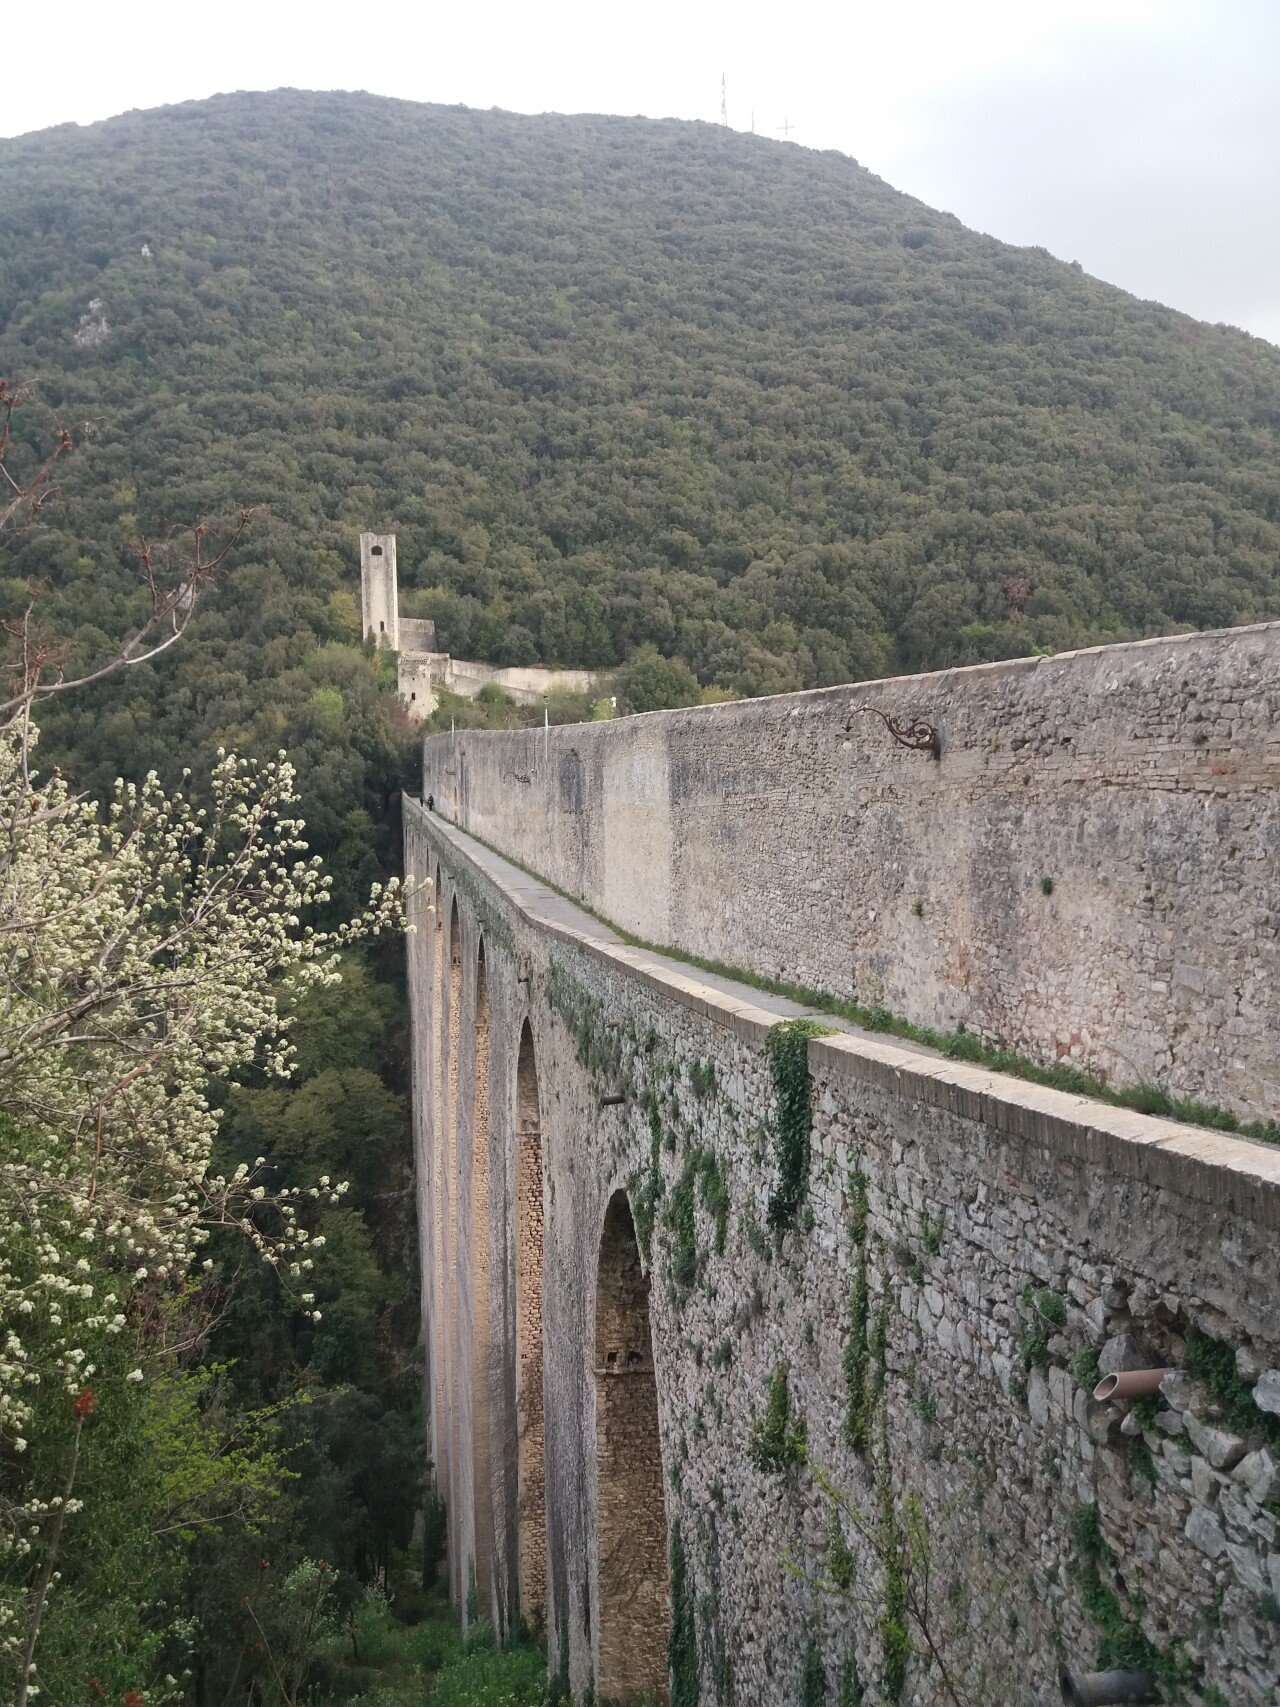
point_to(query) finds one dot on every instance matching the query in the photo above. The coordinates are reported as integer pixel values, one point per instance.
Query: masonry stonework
(631, 1510)
(1089, 874)
(379, 593)
(968, 1252)
(531, 1538)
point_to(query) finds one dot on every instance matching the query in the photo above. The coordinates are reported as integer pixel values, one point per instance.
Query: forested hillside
(621, 388)
(615, 382)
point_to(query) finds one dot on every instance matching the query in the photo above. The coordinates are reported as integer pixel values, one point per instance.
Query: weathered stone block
(1205, 1532)
(1222, 1449)
(1259, 1475)
(1120, 1353)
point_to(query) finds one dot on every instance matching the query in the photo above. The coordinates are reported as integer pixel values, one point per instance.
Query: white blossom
(143, 952)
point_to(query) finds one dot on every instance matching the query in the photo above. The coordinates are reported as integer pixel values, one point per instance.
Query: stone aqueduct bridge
(633, 1233)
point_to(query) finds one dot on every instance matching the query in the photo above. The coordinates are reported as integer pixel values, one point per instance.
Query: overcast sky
(1139, 137)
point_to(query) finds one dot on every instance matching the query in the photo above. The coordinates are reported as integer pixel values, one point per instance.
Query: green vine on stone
(701, 1174)
(682, 1647)
(1122, 1641)
(857, 1362)
(1084, 1366)
(1048, 1312)
(702, 1078)
(682, 1224)
(715, 1196)
(851, 1694)
(861, 1386)
(647, 1188)
(778, 1440)
(813, 1680)
(840, 1562)
(598, 1046)
(1214, 1362)
(880, 1353)
(787, 1047)
(859, 1207)
(895, 1637)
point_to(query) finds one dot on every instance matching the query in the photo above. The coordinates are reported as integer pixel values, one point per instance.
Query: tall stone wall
(962, 1251)
(1089, 873)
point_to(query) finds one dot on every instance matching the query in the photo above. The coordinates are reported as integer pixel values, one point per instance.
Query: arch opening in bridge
(480, 1265)
(451, 1241)
(437, 1359)
(531, 1498)
(631, 1588)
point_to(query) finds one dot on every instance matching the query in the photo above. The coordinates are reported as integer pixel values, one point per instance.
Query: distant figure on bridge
(431, 803)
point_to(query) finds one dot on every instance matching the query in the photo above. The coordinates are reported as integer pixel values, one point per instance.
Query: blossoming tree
(145, 951)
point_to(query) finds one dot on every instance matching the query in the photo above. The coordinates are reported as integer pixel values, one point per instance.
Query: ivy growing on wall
(840, 1564)
(702, 1077)
(599, 1046)
(682, 1650)
(787, 1048)
(715, 1644)
(879, 1353)
(701, 1177)
(813, 1679)
(1214, 1362)
(1122, 1641)
(857, 1352)
(715, 1196)
(646, 1187)
(682, 1225)
(851, 1694)
(895, 1637)
(778, 1439)
(1048, 1311)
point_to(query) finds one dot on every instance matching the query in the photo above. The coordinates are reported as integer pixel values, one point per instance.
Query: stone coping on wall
(1045, 663)
(1238, 1175)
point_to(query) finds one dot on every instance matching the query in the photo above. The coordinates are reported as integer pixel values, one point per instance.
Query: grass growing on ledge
(958, 1045)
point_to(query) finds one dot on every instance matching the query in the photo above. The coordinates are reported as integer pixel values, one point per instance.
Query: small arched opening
(631, 1588)
(482, 1475)
(531, 1498)
(375, 551)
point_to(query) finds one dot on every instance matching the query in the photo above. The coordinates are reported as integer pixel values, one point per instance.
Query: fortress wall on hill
(1139, 785)
(605, 1305)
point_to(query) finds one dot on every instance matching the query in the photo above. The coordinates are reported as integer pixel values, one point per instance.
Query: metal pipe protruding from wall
(1130, 1384)
(1099, 1688)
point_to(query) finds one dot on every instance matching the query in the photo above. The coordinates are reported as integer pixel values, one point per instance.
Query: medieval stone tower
(379, 597)
(421, 671)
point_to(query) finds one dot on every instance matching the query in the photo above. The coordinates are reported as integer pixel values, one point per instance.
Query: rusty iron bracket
(921, 736)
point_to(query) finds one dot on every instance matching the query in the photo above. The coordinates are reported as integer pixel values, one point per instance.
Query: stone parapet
(1088, 874)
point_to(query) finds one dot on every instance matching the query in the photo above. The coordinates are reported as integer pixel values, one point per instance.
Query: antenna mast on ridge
(724, 102)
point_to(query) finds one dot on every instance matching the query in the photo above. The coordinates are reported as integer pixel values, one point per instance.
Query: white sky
(1139, 137)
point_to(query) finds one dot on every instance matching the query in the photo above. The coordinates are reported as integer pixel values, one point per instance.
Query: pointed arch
(482, 1469)
(531, 1498)
(631, 1588)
